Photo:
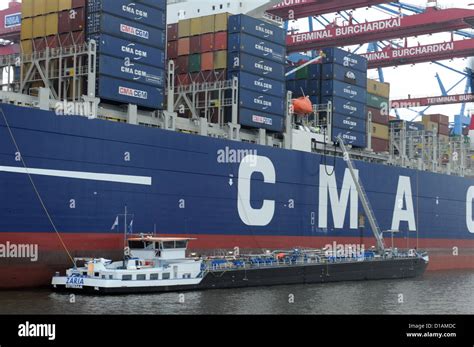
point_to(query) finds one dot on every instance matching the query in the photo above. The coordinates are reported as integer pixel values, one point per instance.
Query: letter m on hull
(339, 202)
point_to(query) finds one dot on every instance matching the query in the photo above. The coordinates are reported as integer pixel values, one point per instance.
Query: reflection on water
(435, 293)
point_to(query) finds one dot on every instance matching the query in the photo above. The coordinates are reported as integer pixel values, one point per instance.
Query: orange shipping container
(51, 24)
(27, 8)
(52, 6)
(380, 131)
(183, 46)
(39, 7)
(64, 5)
(207, 61)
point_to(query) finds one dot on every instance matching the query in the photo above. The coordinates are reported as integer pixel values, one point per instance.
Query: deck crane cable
(36, 190)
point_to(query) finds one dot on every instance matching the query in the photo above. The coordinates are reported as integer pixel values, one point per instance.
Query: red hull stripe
(104, 241)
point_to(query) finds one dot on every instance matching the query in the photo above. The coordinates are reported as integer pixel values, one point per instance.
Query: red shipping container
(183, 79)
(172, 32)
(377, 116)
(182, 64)
(207, 43)
(220, 41)
(52, 41)
(183, 46)
(443, 129)
(71, 20)
(10, 49)
(71, 39)
(172, 51)
(379, 145)
(439, 118)
(39, 45)
(195, 44)
(207, 61)
(78, 3)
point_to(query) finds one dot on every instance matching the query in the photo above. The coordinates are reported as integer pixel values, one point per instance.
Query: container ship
(189, 114)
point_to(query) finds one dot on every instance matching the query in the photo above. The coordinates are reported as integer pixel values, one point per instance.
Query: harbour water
(435, 293)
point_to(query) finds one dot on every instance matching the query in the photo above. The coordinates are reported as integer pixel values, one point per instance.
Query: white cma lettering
(469, 200)
(404, 198)
(328, 186)
(249, 215)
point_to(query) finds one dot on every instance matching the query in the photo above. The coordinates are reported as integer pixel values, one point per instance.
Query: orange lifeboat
(302, 105)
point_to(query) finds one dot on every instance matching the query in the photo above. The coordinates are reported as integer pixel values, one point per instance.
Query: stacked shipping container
(257, 55)
(198, 47)
(306, 82)
(131, 42)
(378, 110)
(344, 83)
(438, 124)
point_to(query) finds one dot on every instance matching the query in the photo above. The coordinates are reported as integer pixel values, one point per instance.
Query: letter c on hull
(250, 165)
(469, 200)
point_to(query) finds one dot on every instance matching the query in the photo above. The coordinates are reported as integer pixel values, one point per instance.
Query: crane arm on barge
(363, 198)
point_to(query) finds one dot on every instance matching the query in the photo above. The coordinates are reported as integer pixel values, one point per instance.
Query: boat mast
(363, 198)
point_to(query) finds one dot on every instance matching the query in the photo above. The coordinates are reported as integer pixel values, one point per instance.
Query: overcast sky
(417, 80)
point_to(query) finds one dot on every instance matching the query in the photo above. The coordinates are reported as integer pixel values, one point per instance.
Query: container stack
(378, 109)
(131, 45)
(305, 82)
(344, 84)
(438, 124)
(395, 125)
(257, 55)
(198, 46)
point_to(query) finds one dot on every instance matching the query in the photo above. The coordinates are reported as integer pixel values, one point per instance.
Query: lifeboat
(302, 105)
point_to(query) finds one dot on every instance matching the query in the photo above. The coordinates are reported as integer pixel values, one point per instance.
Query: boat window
(96, 274)
(181, 244)
(126, 277)
(166, 276)
(154, 277)
(136, 244)
(141, 277)
(168, 244)
(111, 277)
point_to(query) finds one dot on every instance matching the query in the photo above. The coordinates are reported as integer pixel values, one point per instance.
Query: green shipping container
(302, 74)
(194, 63)
(377, 102)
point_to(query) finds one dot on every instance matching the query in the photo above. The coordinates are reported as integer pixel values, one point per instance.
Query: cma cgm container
(136, 52)
(344, 74)
(341, 57)
(256, 65)
(129, 30)
(252, 45)
(346, 107)
(256, 119)
(136, 72)
(139, 12)
(260, 84)
(344, 90)
(350, 137)
(130, 92)
(261, 102)
(349, 123)
(255, 27)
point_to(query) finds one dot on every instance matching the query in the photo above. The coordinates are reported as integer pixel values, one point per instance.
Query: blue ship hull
(86, 171)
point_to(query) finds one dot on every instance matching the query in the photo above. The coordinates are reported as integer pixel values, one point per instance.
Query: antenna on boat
(125, 226)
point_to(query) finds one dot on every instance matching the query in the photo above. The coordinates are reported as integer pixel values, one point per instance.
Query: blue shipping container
(346, 107)
(137, 52)
(342, 57)
(260, 84)
(243, 43)
(344, 90)
(350, 137)
(129, 92)
(261, 120)
(256, 65)
(315, 100)
(305, 87)
(159, 4)
(349, 123)
(126, 29)
(127, 70)
(134, 11)
(255, 27)
(344, 74)
(261, 102)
